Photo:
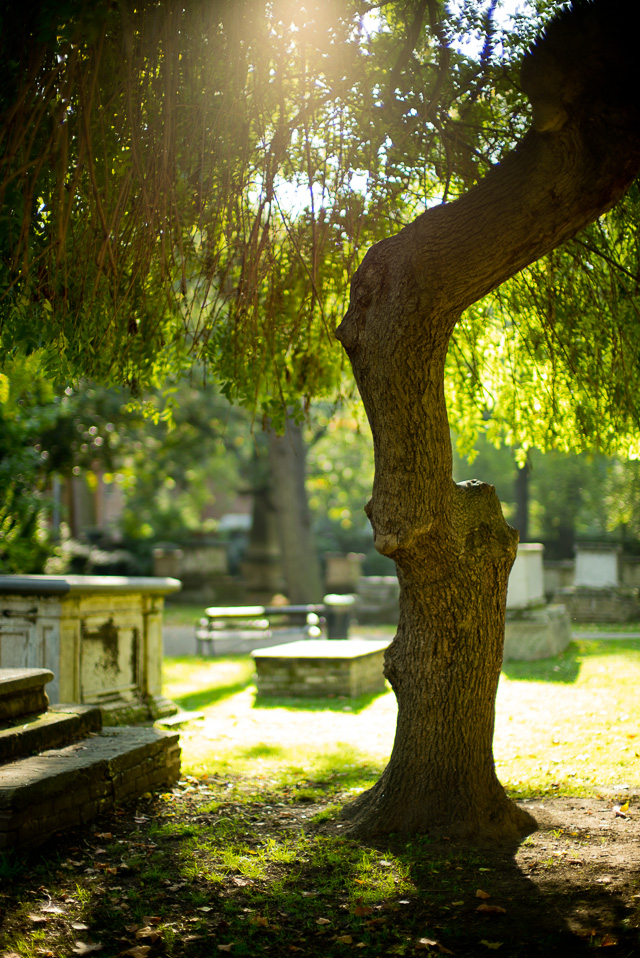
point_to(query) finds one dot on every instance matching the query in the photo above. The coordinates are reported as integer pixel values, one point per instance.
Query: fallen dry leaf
(362, 909)
(138, 951)
(345, 939)
(79, 926)
(608, 941)
(322, 921)
(429, 943)
(491, 944)
(492, 909)
(482, 894)
(226, 947)
(148, 932)
(86, 947)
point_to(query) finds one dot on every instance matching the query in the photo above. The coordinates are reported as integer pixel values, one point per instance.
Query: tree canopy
(194, 183)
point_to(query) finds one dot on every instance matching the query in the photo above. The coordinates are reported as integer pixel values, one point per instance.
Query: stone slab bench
(265, 621)
(65, 787)
(248, 621)
(317, 668)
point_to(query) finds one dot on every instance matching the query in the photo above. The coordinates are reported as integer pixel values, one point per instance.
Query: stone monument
(100, 636)
(533, 629)
(597, 594)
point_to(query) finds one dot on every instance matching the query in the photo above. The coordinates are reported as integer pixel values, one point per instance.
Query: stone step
(65, 787)
(22, 692)
(61, 725)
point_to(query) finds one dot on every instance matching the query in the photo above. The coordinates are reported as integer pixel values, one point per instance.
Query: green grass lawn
(565, 725)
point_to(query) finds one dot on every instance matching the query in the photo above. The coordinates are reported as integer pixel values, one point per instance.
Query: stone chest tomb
(101, 636)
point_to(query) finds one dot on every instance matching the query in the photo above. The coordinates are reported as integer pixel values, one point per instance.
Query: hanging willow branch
(148, 150)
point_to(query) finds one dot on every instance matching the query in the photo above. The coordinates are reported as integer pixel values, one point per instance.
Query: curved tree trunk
(451, 544)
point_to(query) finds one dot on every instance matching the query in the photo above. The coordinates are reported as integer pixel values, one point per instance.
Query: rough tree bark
(451, 544)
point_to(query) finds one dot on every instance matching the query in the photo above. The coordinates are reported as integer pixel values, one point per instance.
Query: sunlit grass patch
(570, 724)
(564, 725)
(195, 683)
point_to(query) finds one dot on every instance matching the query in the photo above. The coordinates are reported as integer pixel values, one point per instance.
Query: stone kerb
(526, 582)
(22, 692)
(59, 767)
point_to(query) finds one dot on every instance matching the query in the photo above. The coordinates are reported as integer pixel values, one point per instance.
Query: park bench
(264, 621)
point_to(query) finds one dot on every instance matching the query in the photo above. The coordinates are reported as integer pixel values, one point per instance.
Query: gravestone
(377, 599)
(596, 567)
(533, 629)
(200, 565)
(526, 581)
(597, 595)
(342, 571)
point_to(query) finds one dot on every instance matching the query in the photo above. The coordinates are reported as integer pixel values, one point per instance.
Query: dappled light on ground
(573, 738)
(564, 725)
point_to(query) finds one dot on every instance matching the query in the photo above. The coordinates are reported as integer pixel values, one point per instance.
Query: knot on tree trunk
(480, 523)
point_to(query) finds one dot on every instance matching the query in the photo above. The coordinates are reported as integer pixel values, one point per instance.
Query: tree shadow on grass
(255, 879)
(338, 703)
(202, 698)
(565, 667)
(398, 895)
